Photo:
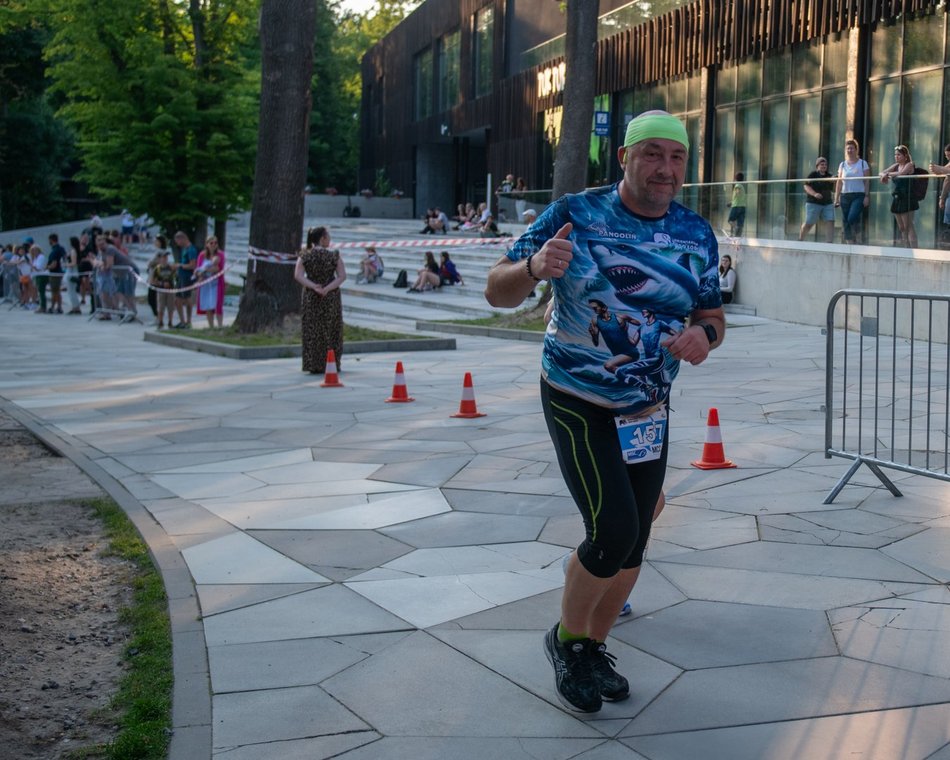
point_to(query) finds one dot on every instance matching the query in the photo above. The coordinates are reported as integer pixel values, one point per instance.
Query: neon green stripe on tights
(593, 503)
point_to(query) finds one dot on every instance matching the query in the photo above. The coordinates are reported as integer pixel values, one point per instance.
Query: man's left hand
(691, 345)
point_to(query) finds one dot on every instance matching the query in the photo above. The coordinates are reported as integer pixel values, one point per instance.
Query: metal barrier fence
(887, 399)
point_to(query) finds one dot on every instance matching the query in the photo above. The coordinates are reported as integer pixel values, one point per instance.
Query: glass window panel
(726, 85)
(883, 124)
(921, 133)
(946, 101)
(694, 89)
(449, 67)
(634, 14)
(886, 49)
(748, 146)
(422, 84)
(921, 120)
(771, 218)
(804, 139)
(484, 34)
(835, 70)
(693, 125)
(774, 140)
(833, 124)
(806, 66)
(923, 41)
(677, 100)
(692, 194)
(883, 121)
(748, 80)
(626, 112)
(724, 145)
(805, 134)
(777, 68)
(748, 139)
(648, 98)
(723, 164)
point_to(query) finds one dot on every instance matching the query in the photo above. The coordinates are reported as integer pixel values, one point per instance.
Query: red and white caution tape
(430, 243)
(194, 286)
(274, 257)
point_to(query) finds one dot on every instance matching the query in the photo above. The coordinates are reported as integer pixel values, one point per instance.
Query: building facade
(461, 91)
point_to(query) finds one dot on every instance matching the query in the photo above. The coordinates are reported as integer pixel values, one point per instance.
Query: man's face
(101, 243)
(653, 173)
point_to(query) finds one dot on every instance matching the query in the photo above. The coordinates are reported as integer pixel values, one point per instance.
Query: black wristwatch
(711, 335)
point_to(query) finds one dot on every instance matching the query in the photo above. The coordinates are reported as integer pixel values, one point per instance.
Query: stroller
(11, 284)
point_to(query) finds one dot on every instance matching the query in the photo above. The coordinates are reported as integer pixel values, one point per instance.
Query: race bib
(641, 437)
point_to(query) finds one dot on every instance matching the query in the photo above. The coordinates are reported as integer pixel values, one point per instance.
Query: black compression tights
(615, 499)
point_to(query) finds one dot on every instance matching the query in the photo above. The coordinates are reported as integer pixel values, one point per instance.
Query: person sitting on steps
(371, 267)
(428, 277)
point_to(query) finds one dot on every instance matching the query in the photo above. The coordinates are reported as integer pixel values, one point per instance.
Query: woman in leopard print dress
(321, 273)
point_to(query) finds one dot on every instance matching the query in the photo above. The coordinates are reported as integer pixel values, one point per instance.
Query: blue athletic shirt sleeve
(631, 286)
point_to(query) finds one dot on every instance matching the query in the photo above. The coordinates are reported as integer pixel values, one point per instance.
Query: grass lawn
(529, 323)
(142, 707)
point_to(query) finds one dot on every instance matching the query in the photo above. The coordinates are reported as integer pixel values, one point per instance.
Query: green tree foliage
(35, 147)
(163, 97)
(333, 140)
(342, 38)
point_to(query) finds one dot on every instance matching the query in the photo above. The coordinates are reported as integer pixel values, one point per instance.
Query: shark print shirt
(641, 275)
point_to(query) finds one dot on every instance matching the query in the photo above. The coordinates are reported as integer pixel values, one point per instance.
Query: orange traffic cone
(714, 457)
(330, 378)
(467, 408)
(400, 392)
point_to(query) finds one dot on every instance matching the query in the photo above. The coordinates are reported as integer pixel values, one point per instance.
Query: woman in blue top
(448, 274)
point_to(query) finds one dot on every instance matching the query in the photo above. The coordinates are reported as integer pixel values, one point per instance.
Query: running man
(632, 247)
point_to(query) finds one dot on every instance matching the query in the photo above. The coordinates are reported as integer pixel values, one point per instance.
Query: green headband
(656, 124)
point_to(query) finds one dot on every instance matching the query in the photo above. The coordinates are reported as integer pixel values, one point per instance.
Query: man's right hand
(555, 255)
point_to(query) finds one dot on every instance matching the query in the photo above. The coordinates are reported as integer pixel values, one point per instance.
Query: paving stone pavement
(374, 579)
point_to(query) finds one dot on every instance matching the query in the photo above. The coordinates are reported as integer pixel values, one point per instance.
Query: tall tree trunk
(580, 58)
(221, 232)
(287, 38)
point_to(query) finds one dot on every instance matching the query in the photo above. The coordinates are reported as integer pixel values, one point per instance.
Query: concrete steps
(380, 303)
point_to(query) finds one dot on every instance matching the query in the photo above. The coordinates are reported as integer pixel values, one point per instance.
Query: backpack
(402, 279)
(918, 186)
